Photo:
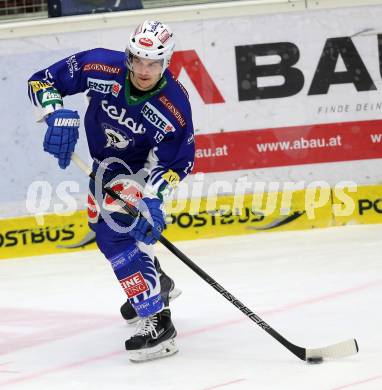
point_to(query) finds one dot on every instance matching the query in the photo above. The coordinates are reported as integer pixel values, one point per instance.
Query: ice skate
(154, 338)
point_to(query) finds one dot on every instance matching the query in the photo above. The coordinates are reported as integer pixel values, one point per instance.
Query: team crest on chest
(115, 139)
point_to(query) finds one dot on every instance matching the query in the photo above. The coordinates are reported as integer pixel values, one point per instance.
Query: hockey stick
(311, 355)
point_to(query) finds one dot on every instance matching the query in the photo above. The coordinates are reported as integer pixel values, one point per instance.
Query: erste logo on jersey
(115, 139)
(104, 86)
(146, 42)
(122, 118)
(156, 118)
(97, 85)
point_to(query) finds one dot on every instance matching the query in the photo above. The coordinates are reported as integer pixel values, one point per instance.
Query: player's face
(145, 73)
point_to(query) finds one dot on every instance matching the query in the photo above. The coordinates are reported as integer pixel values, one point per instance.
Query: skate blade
(167, 348)
(173, 294)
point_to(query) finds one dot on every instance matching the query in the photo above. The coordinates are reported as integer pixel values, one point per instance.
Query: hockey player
(140, 135)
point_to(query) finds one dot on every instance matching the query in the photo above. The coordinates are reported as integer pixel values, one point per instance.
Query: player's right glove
(62, 135)
(143, 230)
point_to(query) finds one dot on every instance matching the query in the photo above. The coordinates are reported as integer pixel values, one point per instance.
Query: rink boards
(296, 99)
(206, 218)
(279, 98)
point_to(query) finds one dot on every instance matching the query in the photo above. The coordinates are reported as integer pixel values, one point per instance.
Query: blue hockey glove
(143, 230)
(62, 135)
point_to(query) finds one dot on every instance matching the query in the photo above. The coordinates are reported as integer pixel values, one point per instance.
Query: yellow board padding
(362, 205)
(206, 218)
(21, 237)
(247, 214)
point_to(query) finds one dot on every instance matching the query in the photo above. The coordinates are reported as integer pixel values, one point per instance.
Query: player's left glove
(62, 135)
(143, 230)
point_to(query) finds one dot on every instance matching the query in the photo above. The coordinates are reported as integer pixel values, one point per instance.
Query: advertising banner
(268, 92)
(206, 218)
(194, 219)
(295, 145)
(367, 209)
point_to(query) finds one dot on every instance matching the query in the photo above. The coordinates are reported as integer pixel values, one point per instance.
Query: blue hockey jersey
(154, 130)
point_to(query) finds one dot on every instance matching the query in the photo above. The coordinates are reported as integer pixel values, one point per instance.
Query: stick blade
(334, 351)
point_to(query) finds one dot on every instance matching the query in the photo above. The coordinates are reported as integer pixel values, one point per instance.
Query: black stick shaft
(296, 350)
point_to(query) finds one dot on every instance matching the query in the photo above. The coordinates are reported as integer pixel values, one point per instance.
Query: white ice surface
(60, 326)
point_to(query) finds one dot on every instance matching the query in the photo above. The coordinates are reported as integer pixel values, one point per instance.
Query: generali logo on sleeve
(134, 285)
(174, 111)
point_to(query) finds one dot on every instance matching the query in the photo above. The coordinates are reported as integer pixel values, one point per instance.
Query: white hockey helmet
(152, 40)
